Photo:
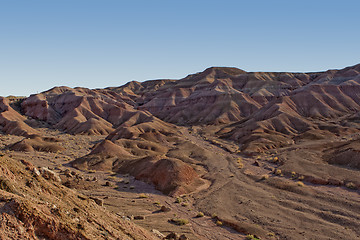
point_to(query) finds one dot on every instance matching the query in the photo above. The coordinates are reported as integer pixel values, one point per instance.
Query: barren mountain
(270, 155)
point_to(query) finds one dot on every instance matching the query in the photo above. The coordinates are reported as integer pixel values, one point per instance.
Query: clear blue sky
(88, 43)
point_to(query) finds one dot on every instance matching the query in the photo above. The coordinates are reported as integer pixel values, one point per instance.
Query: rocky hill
(34, 205)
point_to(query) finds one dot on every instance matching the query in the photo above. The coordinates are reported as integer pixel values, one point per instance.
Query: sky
(101, 43)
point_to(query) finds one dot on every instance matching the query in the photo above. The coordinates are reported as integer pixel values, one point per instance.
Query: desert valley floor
(221, 154)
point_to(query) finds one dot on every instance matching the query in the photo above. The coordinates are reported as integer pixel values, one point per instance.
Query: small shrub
(219, 223)
(92, 171)
(143, 195)
(214, 215)
(277, 172)
(184, 204)
(264, 177)
(200, 214)
(111, 178)
(293, 174)
(179, 221)
(301, 184)
(178, 200)
(301, 178)
(251, 237)
(351, 185)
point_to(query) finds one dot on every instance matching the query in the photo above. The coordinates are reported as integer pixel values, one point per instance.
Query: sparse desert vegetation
(251, 237)
(301, 184)
(264, 177)
(200, 214)
(143, 195)
(278, 172)
(179, 221)
(351, 185)
(219, 223)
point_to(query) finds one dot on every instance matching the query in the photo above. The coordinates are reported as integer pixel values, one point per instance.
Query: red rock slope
(12, 122)
(80, 110)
